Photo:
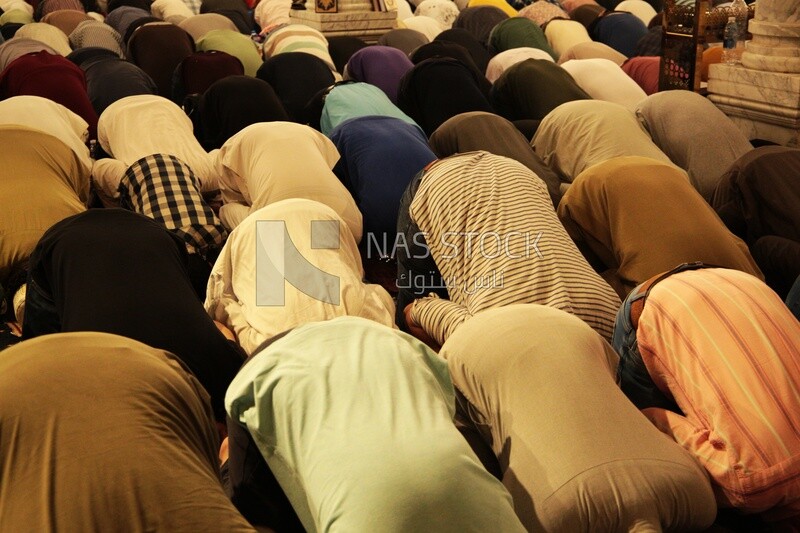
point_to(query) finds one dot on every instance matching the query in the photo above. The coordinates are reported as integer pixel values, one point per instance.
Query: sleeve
(232, 215)
(106, 174)
(438, 317)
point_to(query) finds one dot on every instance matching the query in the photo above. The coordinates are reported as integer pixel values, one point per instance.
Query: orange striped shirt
(727, 349)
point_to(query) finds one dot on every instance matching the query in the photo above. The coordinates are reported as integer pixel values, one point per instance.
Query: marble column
(762, 95)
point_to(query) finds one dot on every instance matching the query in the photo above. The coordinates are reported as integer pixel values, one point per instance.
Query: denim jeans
(41, 316)
(417, 273)
(632, 374)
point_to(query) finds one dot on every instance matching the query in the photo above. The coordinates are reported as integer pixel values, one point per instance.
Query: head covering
(232, 291)
(45, 7)
(199, 25)
(358, 378)
(197, 72)
(255, 172)
(18, 47)
(602, 79)
(382, 66)
(640, 8)
(299, 38)
(644, 71)
(236, 10)
(427, 26)
(296, 78)
(505, 60)
(442, 11)
(49, 35)
(694, 134)
(92, 33)
(576, 135)
(649, 45)
(342, 48)
(477, 50)
(18, 16)
(50, 76)
(49, 117)
(66, 20)
(272, 13)
(44, 180)
(137, 126)
(619, 30)
(518, 32)
(536, 378)
(174, 11)
(379, 157)
(144, 267)
(163, 188)
(138, 23)
(82, 55)
(123, 16)
(564, 34)
(440, 88)
(128, 416)
(235, 44)
(141, 4)
(541, 12)
(158, 48)
(757, 195)
(587, 14)
(592, 50)
(503, 207)
(442, 49)
(403, 39)
(480, 20)
(479, 130)
(351, 100)
(505, 7)
(571, 5)
(532, 88)
(620, 207)
(235, 102)
(109, 79)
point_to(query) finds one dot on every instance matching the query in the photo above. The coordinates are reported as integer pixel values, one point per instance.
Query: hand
(225, 331)
(417, 330)
(223, 451)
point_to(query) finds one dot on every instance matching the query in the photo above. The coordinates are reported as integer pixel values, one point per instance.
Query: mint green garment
(352, 100)
(519, 32)
(355, 421)
(234, 43)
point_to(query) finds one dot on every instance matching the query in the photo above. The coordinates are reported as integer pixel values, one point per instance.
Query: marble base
(366, 25)
(764, 104)
(775, 46)
(756, 129)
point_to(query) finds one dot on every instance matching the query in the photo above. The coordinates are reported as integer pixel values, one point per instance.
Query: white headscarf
(272, 12)
(442, 11)
(335, 271)
(48, 34)
(508, 58)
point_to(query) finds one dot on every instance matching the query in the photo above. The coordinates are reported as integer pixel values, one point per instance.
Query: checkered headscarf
(164, 188)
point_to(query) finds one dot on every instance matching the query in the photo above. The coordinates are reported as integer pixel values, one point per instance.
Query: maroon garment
(53, 77)
(158, 49)
(201, 69)
(644, 71)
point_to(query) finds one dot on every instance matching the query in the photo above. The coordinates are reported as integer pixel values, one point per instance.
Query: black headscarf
(115, 271)
(342, 47)
(403, 39)
(158, 49)
(235, 102)
(480, 20)
(532, 88)
(452, 50)
(296, 78)
(440, 88)
(109, 78)
(236, 10)
(480, 54)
